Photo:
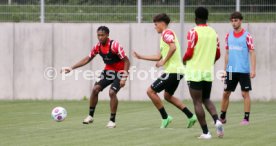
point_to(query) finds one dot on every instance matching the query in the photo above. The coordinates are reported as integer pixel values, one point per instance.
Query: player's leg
(152, 91)
(176, 102)
(195, 89)
(98, 87)
(246, 97)
(114, 89)
(231, 82)
(94, 99)
(224, 105)
(171, 86)
(209, 105)
(92, 104)
(245, 83)
(113, 104)
(113, 108)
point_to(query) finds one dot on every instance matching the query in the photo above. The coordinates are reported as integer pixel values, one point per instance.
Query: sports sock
(246, 115)
(112, 117)
(222, 115)
(91, 111)
(163, 113)
(204, 129)
(215, 118)
(187, 112)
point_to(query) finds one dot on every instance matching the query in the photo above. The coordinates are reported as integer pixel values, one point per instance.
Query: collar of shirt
(238, 34)
(202, 25)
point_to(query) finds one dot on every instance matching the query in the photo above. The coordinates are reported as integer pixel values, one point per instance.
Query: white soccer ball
(59, 114)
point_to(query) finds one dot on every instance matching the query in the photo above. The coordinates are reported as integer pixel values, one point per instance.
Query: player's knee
(226, 94)
(205, 101)
(197, 102)
(96, 89)
(167, 96)
(112, 94)
(245, 95)
(150, 91)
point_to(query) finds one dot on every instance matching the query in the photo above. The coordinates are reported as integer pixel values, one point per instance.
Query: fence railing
(131, 10)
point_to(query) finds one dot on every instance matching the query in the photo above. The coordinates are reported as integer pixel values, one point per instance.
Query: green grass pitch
(28, 123)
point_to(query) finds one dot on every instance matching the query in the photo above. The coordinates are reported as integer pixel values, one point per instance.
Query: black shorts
(203, 86)
(109, 77)
(232, 80)
(167, 82)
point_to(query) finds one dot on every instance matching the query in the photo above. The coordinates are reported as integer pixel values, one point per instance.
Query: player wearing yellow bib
(170, 58)
(203, 50)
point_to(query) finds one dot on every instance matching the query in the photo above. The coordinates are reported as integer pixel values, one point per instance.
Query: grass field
(28, 123)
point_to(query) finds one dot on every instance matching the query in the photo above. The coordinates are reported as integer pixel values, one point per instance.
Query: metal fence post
(42, 11)
(181, 19)
(139, 10)
(238, 5)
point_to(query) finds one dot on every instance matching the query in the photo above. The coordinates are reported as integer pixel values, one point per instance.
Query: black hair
(201, 13)
(236, 15)
(162, 18)
(104, 29)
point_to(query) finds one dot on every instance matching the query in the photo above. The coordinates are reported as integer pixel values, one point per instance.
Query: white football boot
(88, 120)
(111, 124)
(220, 130)
(205, 136)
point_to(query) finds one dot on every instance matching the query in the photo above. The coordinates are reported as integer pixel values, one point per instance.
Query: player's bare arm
(169, 55)
(225, 62)
(156, 57)
(126, 68)
(253, 63)
(81, 63)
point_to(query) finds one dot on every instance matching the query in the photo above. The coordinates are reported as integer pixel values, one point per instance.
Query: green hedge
(93, 13)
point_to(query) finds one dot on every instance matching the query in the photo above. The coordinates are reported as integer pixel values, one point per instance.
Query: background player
(202, 52)
(170, 59)
(114, 73)
(239, 46)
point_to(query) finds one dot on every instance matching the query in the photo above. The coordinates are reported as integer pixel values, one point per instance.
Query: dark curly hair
(202, 13)
(236, 15)
(162, 18)
(104, 29)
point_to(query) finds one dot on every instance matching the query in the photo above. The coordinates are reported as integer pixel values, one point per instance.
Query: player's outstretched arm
(81, 63)
(149, 57)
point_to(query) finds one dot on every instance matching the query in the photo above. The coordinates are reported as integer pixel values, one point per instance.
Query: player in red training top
(115, 72)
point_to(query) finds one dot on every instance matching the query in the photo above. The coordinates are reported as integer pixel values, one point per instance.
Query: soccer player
(200, 57)
(170, 58)
(115, 72)
(238, 68)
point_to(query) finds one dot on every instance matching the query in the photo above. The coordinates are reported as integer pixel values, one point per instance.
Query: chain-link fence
(129, 10)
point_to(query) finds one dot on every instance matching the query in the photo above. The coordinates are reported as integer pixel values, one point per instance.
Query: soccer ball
(59, 114)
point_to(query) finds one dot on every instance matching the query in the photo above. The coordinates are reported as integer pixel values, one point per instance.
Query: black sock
(246, 115)
(112, 117)
(187, 112)
(163, 113)
(215, 118)
(91, 111)
(204, 129)
(222, 115)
